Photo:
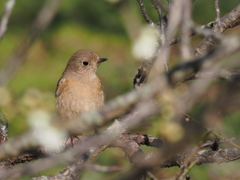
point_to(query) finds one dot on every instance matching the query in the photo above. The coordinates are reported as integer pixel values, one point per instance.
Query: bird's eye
(85, 63)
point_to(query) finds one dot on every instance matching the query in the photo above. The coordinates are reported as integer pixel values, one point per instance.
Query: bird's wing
(61, 85)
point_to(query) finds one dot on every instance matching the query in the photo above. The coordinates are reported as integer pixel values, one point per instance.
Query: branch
(101, 168)
(193, 33)
(8, 10)
(225, 22)
(162, 21)
(74, 170)
(81, 149)
(18, 57)
(217, 12)
(185, 48)
(144, 13)
(3, 128)
(179, 159)
(203, 157)
(229, 75)
(219, 52)
(235, 24)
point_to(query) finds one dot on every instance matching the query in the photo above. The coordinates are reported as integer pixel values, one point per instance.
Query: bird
(79, 89)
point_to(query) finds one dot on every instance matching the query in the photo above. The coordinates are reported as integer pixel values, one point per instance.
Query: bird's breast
(77, 97)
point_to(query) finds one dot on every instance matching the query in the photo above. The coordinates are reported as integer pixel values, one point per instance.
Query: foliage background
(98, 26)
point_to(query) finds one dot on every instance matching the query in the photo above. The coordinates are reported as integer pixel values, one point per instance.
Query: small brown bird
(79, 89)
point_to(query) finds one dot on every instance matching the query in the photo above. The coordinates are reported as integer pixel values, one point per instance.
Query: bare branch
(217, 11)
(182, 159)
(8, 10)
(225, 22)
(229, 75)
(100, 168)
(144, 13)
(235, 24)
(186, 50)
(193, 33)
(81, 149)
(218, 52)
(18, 57)
(3, 128)
(157, 6)
(178, 159)
(204, 156)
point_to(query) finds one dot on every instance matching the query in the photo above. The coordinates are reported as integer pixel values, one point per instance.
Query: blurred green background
(99, 26)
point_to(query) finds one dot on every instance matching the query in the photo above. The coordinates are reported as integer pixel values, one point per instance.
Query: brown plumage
(79, 89)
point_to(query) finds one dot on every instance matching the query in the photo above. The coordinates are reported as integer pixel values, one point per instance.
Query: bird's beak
(102, 60)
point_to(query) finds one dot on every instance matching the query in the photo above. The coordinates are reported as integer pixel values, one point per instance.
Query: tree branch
(18, 57)
(225, 22)
(8, 10)
(144, 13)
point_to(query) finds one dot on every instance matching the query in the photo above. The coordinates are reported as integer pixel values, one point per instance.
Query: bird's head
(84, 62)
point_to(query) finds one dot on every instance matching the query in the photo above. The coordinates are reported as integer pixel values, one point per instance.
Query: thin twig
(217, 11)
(161, 29)
(185, 171)
(193, 33)
(3, 128)
(230, 141)
(186, 50)
(144, 13)
(156, 5)
(8, 9)
(101, 168)
(151, 176)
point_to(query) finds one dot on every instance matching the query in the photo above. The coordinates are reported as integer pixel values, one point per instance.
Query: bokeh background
(107, 27)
